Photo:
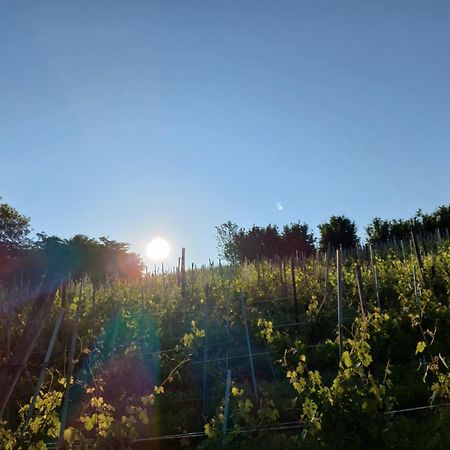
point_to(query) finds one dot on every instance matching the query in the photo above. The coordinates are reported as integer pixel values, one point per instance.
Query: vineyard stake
(10, 374)
(48, 354)
(115, 330)
(339, 292)
(416, 249)
(361, 292)
(205, 351)
(395, 244)
(226, 409)
(375, 275)
(8, 337)
(228, 317)
(249, 345)
(416, 290)
(403, 250)
(327, 277)
(183, 276)
(205, 358)
(294, 291)
(69, 378)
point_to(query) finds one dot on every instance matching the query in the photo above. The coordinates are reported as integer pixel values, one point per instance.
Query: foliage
(338, 231)
(14, 227)
(380, 230)
(238, 244)
(151, 357)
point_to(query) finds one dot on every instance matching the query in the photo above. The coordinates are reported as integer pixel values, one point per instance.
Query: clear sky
(135, 118)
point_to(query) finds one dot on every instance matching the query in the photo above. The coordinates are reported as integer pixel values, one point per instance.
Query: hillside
(338, 350)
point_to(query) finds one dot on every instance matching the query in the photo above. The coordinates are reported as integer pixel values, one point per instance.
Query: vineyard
(343, 349)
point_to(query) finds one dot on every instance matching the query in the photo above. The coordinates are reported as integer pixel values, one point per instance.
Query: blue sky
(136, 118)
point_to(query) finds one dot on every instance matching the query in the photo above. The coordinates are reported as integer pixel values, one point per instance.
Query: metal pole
(417, 254)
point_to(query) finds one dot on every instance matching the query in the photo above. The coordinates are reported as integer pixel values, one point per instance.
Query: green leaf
(346, 359)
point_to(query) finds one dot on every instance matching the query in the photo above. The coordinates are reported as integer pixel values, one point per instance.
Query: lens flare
(158, 249)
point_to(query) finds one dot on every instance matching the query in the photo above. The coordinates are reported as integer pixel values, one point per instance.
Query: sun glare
(158, 249)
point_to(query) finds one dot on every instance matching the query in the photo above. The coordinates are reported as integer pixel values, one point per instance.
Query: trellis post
(249, 345)
(361, 291)
(226, 409)
(375, 275)
(65, 407)
(48, 354)
(294, 291)
(339, 292)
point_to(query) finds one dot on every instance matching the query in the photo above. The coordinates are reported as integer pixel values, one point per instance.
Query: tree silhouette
(380, 230)
(339, 230)
(238, 244)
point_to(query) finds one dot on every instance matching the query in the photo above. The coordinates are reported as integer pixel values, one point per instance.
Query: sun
(158, 249)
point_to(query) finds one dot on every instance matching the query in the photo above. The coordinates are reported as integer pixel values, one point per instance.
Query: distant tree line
(23, 258)
(387, 230)
(239, 244)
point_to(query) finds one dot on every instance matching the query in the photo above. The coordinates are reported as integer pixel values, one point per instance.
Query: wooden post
(339, 299)
(115, 331)
(48, 354)
(65, 406)
(192, 282)
(327, 275)
(227, 342)
(8, 336)
(416, 290)
(205, 351)
(64, 295)
(183, 276)
(204, 374)
(356, 252)
(294, 291)
(280, 269)
(94, 293)
(403, 250)
(249, 345)
(9, 374)
(317, 264)
(226, 409)
(361, 292)
(375, 275)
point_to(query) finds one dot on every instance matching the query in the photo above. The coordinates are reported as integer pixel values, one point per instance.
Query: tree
(238, 244)
(383, 230)
(339, 230)
(14, 242)
(226, 241)
(297, 238)
(14, 227)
